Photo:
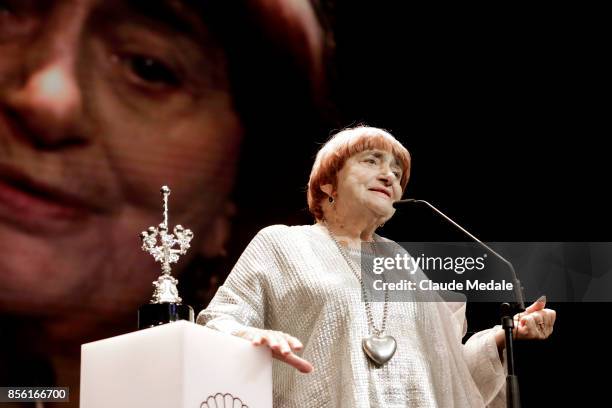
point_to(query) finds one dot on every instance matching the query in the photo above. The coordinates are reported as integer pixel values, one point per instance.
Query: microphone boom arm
(518, 289)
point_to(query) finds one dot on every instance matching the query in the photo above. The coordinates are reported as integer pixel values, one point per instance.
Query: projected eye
(148, 72)
(152, 71)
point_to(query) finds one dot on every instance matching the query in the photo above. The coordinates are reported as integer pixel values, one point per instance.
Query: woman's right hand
(282, 345)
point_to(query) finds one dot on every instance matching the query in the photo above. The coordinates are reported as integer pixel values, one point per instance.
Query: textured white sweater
(294, 279)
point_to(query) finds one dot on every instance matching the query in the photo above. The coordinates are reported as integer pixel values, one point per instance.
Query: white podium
(180, 364)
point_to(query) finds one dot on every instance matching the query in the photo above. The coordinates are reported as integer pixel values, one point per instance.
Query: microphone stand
(512, 385)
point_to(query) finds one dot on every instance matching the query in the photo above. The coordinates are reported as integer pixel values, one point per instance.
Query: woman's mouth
(382, 191)
(34, 205)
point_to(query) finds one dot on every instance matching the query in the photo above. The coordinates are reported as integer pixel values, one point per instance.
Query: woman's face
(369, 183)
(101, 103)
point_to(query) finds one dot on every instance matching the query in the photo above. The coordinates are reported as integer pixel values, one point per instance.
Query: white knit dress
(294, 279)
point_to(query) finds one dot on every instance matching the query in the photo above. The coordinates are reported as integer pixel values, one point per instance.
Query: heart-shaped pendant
(379, 349)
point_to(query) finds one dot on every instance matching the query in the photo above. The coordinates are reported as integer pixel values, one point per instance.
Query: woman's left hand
(535, 323)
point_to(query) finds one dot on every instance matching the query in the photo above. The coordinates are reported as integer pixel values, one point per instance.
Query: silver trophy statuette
(166, 253)
(166, 248)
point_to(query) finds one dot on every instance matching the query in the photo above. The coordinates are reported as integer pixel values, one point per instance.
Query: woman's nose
(386, 175)
(49, 103)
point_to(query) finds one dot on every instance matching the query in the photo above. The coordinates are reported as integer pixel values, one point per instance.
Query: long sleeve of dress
(239, 303)
(482, 358)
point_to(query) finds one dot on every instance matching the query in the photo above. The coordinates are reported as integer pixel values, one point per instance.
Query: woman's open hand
(535, 323)
(282, 345)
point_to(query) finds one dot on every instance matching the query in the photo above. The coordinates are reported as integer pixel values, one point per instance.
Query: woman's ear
(327, 189)
(218, 234)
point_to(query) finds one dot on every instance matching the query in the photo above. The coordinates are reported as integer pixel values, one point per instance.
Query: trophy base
(154, 314)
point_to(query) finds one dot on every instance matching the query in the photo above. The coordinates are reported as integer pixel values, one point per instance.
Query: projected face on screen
(102, 103)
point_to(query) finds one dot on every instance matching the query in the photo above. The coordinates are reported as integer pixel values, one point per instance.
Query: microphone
(518, 288)
(513, 399)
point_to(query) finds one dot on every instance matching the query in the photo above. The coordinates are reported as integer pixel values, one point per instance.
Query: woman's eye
(371, 161)
(153, 71)
(150, 72)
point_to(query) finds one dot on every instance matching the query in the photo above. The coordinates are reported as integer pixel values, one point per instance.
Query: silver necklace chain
(368, 307)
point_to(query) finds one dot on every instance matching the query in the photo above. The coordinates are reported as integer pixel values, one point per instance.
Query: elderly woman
(303, 282)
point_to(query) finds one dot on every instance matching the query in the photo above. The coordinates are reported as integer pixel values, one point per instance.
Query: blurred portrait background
(226, 102)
